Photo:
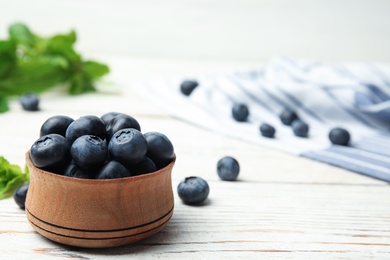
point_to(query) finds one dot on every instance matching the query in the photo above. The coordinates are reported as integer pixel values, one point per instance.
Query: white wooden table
(282, 206)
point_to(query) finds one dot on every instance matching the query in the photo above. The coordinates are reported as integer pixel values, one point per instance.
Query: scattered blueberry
(267, 130)
(193, 190)
(89, 151)
(240, 112)
(85, 125)
(119, 122)
(288, 116)
(128, 146)
(300, 128)
(228, 168)
(56, 125)
(30, 102)
(188, 86)
(160, 148)
(20, 195)
(339, 136)
(112, 170)
(49, 151)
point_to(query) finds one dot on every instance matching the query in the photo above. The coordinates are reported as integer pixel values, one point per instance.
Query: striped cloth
(355, 96)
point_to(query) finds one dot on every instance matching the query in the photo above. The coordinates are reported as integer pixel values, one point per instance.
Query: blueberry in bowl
(95, 200)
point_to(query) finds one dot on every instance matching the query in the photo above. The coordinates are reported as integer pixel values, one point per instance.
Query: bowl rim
(96, 181)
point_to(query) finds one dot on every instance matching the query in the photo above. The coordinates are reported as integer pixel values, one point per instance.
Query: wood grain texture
(99, 213)
(282, 206)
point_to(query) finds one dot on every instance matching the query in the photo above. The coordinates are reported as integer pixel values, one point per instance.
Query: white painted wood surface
(282, 206)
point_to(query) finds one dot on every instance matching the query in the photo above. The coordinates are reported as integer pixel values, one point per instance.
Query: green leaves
(30, 63)
(11, 177)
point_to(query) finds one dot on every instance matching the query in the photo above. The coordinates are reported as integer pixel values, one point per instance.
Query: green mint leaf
(79, 84)
(62, 44)
(11, 177)
(3, 104)
(7, 57)
(31, 63)
(94, 70)
(34, 75)
(21, 34)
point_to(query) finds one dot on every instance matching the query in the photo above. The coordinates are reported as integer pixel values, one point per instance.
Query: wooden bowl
(98, 213)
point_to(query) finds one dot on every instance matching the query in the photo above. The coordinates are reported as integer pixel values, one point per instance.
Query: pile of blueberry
(106, 147)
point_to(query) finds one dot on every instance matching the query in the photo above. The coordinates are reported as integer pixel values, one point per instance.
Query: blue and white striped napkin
(355, 96)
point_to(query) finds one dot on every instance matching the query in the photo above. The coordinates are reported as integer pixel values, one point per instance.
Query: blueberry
(128, 146)
(187, 86)
(339, 136)
(143, 167)
(120, 122)
(73, 170)
(300, 128)
(193, 190)
(85, 125)
(228, 168)
(106, 118)
(49, 150)
(112, 170)
(56, 125)
(20, 195)
(267, 130)
(89, 151)
(160, 148)
(30, 102)
(240, 112)
(288, 116)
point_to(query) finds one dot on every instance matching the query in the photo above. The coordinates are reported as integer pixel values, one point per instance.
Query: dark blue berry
(73, 170)
(56, 125)
(50, 150)
(112, 170)
(300, 128)
(89, 151)
(128, 146)
(228, 168)
(20, 195)
(193, 190)
(267, 130)
(339, 136)
(106, 118)
(143, 167)
(187, 86)
(30, 102)
(160, 148)
(240, 112)
(288, 116)
(85, 125)
(120, 122)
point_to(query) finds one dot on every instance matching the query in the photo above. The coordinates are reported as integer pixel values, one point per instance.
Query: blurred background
(218, 30)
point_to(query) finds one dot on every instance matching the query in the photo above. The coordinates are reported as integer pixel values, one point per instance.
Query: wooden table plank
(282, 206)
